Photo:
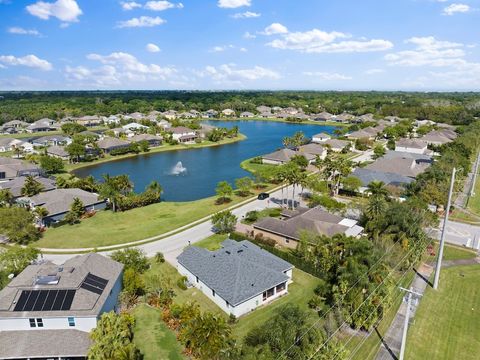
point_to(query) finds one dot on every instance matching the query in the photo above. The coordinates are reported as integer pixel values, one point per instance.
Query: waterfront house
(183, 134)
(153, 140)
(286, 231)
(108, 144)
(313, 149)
(15, 185)
(247, 114)
(11, 168)
(283, 156)
(49, 310)
(209, 114)
(228, 112)
(205, 130)
(239, 277)
(58, 202)
(323, 116)
(58, 152)
(321, 138)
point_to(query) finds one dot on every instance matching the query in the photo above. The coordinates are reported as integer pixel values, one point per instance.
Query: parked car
(263, 196)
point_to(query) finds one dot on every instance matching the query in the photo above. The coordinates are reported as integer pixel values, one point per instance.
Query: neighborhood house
(239, 277)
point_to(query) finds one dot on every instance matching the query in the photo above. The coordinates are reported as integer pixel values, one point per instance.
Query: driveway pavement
(173, 245)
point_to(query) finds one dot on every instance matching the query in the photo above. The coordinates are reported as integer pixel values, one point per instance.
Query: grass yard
(108, 228)
(474, 202)
(154, 339)
(447, 322)
(212, 242)
(456, 253)
(262, 170)
(299, 293)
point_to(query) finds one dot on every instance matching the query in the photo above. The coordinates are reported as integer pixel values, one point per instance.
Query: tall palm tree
(155, 187)
(377, 188)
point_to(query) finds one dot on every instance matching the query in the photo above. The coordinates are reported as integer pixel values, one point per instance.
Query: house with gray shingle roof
(239, 277)
(283, 156)
(48, 310)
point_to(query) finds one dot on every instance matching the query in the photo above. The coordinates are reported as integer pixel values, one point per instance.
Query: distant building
(416, 146)
(48, 311)
(153, 140)
(108, 144)
(247, 114)
(58, 152)
(44, 124)
(283, 156)
(11, 168)
(239, 277)
(313, 149)
(228, 112)
(183, 134)
(320, 138)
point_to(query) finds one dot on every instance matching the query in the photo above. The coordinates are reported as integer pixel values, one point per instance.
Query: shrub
(232, 319)
(181, 283)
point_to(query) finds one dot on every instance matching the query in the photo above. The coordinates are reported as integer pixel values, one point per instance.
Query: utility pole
(442, 238)
(407, 319)
(475, 172)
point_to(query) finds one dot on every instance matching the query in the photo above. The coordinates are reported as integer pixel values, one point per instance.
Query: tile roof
(238, 271)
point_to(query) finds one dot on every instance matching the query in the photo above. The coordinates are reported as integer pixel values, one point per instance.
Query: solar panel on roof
(57, 305)
(94, 284)
(68, 300)
(45, 300)
(42, 296)
(21, 301)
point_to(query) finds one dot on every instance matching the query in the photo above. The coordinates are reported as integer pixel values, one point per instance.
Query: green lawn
(456, 253)
(299, 292)
(262, 170)
(154, 339)
(108, 228)
(212, 242)
(447, 322)
(474, 201)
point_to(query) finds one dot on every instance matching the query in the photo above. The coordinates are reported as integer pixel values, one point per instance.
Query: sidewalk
(392, 340)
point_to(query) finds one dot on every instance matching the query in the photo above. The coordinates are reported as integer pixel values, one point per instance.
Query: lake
(204, 167)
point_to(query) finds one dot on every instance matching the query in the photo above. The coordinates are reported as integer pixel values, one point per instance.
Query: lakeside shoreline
(304, 122)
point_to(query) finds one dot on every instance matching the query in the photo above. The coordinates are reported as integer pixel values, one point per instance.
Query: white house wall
(240, 309)
(49, 323)
(411, 150)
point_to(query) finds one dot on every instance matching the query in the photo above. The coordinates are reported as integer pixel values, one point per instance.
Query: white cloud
(142, 21)
(231, 4)
(130, 5)
(21, 31)
(230, 74)
(374, 71)
(162, 5)
(152, 48)
(248, 35)
(246, 15)
(28, 60)
(327, 76)
(428, 51)
(221, 48)
(64, 10)
(318, 41)
(275, 28)
(243, 49)
(456, 8)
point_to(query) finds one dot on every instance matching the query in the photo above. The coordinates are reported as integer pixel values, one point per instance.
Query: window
(3, 175)
(280, 287)
(213, 293)
(39, 322)
(71, 321)
(32, 323)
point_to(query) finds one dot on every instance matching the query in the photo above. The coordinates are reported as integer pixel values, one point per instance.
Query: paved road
(460, 234)
(173, 245)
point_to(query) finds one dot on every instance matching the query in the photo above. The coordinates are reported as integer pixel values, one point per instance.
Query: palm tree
(40, 213)
(109, 190)
(123, 183)
(377, 188)
(31, 187)
(155, 187)
(18, 150)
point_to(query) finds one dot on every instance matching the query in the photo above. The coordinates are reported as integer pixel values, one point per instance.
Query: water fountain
(178, 169)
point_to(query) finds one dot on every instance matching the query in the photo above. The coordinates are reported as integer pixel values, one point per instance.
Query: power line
(363, 303)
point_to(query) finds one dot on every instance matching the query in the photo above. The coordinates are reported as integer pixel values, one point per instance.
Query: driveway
(173, 245)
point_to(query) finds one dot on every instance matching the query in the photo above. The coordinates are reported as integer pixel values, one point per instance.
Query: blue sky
(240, 44)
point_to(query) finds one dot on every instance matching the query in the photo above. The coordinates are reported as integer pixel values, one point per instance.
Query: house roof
(411, 143)
(59, 200)
(43, 344)
(49, 138)
(238, 271)
(181, 130)
(6, 141)
(110, 142)
(336, 143)
(285, 155)
(312, 149)
(391, 154)
(146, 137)
(58, 151)
(14, 167)
(366, 176)
(69, 276)
(315, 220)
(402, 166)
(15, 185)
(323, 135)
